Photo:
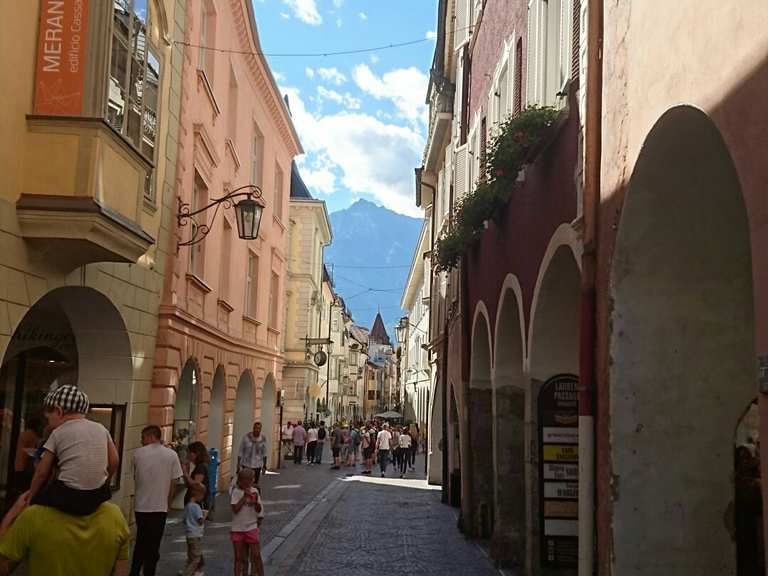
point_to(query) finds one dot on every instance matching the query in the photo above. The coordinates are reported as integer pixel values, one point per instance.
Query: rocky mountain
(369, 260)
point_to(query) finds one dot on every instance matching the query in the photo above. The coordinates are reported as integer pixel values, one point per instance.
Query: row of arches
(678, 400)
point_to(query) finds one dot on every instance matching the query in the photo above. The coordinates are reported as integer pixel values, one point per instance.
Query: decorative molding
(230, 146)
(226, 305)
(199, 282)
(202, 78)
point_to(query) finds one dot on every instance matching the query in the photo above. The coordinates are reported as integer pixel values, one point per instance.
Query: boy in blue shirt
(194, 518)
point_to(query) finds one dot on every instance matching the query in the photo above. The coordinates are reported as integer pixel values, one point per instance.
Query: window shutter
(576, 39)
(517, 104)
(532, 65)
(461, 34)
(460, 172)
(504, 94)
(465, 93)
(457, 109)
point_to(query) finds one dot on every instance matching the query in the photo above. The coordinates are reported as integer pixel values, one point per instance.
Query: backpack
(366, 441)
(321, 434)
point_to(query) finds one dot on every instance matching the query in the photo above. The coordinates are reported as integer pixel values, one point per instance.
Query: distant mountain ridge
(372, 248)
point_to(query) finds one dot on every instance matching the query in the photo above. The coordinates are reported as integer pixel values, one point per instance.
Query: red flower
(499, 172)
(518, 136)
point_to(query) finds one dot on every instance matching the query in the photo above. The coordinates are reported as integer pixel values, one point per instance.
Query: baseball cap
(68, 398)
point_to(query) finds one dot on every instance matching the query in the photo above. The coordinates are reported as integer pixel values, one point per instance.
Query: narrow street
(321, 521)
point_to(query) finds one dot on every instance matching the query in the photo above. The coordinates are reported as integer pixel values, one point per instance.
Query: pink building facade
(219, 346)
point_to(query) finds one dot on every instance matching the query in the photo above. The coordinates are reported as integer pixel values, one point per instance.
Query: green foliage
(508, 152)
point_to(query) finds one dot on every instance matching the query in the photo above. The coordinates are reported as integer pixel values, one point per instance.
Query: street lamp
(247, 214)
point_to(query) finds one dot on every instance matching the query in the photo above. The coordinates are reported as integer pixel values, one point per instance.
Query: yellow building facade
(87, 166)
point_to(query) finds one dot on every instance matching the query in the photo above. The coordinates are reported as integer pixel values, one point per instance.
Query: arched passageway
(244, 410)
(72, 335)
(216, 411)
(682, 365)
(186, 406)
(480, 432)
(434, 432)
(268, 404)
(509, 536)
(554, 363)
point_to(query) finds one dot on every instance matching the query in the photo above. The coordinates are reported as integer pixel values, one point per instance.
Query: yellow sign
(561, 453)
(561, 509)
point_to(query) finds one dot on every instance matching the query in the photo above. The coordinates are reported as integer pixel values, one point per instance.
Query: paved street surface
(320, 521)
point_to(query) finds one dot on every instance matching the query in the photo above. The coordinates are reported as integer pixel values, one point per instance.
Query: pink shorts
(250, 537)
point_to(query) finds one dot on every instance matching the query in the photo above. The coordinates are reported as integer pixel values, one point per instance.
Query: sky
(362, 118)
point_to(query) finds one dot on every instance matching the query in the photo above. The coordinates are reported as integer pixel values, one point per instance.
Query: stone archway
(554, 351)
(216, 411)
(435, 435)
(682, 361)
(480, 432)
(72, 335)
(244, 410)
(186, 407)
(268, 404)
(509, 434)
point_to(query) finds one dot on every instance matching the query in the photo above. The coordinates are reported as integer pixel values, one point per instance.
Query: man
(53, 543)
(286, 436)
(253, 451)
(383, 443)
(321, 434)
(337, 441)
(156, 470)
(311, 442)
(299, 440)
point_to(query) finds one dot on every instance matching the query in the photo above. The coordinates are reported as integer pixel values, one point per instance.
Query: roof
(359, 333)
(298, 188)
(379, 332)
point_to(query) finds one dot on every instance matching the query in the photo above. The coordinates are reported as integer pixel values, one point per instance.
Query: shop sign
(61, 48)
(559, 472)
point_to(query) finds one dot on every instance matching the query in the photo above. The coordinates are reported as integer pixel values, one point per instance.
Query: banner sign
(61, 46)
(559, 472)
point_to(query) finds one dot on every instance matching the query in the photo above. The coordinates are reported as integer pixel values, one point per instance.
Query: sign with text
(559, 471)
(61, 48)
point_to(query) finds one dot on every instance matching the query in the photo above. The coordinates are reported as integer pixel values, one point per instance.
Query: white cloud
(360, 152)
(279, 76)
(309, 72)
(346, 99)
(363, 16)
(305, 10)
(430, 35)
(338, 22)
(285, 15)
(405, 87)
(338, 3)
(332, 75)
(374, 59)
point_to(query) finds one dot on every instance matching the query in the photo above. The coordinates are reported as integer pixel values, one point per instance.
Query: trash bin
(213, 476)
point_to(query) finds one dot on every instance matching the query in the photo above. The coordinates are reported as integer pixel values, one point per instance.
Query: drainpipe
(587, 380)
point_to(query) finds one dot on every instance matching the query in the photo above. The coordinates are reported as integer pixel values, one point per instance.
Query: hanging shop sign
(559, 472)
(61, 49)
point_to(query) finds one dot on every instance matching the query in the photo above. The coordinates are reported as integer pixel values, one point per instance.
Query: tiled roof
(298, 188)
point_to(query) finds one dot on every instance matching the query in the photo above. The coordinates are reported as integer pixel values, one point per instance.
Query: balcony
(83, 192)
(442, 92)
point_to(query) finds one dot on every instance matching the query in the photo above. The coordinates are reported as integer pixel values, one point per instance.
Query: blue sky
(361, 118)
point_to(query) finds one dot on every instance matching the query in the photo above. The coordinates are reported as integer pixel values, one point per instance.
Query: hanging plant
(509, 150)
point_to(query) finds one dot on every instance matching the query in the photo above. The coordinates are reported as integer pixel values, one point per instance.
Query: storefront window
(112, 417)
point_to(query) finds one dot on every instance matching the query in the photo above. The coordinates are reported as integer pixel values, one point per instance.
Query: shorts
(249, 537)
(368, 452)
(336, 451)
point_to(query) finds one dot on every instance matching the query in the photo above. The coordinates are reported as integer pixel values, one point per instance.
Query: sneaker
(382, 474)
(401, 475)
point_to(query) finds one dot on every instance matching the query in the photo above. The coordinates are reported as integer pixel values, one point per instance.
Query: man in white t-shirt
(156, 469)
(383, 445)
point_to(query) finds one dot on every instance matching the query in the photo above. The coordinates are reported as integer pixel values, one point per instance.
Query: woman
(196, 472)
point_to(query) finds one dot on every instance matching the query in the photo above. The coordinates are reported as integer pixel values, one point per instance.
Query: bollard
(213, 476)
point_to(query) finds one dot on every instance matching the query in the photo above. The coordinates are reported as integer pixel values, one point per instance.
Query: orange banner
(61, 57)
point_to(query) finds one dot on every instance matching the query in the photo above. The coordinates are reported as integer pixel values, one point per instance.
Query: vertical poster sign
(61, 45)
(559, 472)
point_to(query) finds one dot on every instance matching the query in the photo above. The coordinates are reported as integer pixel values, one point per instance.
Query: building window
(257, 155)
(197, 251)
(226, 250)
(279, 184)
(274, 287)
(205, 57)
(134, 80)
(251, 285)
(549, 50)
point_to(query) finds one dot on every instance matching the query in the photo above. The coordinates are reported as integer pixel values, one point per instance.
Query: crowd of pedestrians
(64, 524)
(370, 443)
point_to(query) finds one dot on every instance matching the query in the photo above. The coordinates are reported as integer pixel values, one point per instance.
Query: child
(247, 515)
(83, 452)
(194, 518)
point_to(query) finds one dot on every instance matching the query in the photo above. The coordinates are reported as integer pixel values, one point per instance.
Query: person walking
(253, 451)
(299, 441)
(322, 433)
(311, 442)
(404, 441)
(156, 470)
(194, 520)
(197, 473)
(247, 516)
(354, 433)
(383, 444)
(286, 435)
(367, 443)
(396, 453)
(337, 441)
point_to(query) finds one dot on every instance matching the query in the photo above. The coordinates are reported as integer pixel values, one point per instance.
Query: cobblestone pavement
(286, 492)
